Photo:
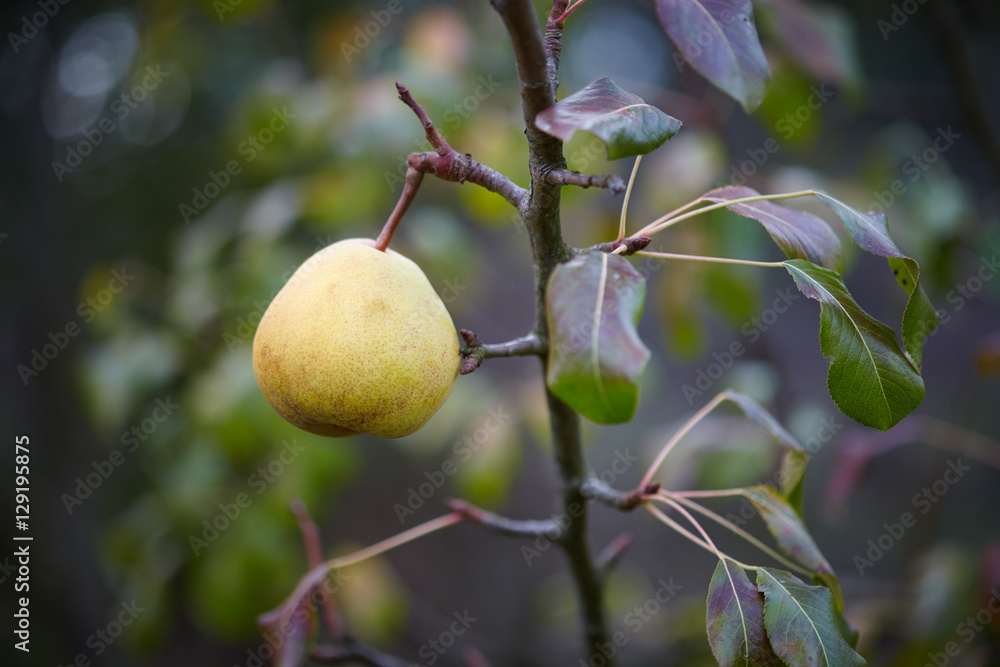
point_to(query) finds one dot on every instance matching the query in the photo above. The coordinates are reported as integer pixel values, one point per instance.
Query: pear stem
(413, 180)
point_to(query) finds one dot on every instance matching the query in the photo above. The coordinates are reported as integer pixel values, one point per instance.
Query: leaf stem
(716, 260)
(688, 425)
(628, 190)
(667, 220)
(722, 521)
(684, 532)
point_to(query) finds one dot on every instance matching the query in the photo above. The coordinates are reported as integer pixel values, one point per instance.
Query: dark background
(180, 331)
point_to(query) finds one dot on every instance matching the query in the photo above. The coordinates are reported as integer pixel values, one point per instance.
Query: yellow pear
(357, 341)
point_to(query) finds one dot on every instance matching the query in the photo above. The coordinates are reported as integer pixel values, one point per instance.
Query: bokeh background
(166, 165)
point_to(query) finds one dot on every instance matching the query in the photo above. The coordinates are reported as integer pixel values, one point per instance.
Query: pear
(357, 341)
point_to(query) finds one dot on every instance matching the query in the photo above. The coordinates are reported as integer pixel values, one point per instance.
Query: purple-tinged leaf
(787, 527)
(870, 379)
(799, 234)
(719, 39)
(735, 620)
(871, 231)
(594, 302)
(627, 125)
(801, 622)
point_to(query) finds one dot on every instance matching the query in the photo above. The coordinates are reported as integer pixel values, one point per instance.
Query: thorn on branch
(612, 182)
(632, 244)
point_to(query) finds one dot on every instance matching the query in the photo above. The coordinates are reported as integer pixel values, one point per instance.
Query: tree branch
(626, 501)
(476, 350)
(536, 66)
(553, 39)
(314, 556)
(450, 165)
(612, 182)
(504, 526)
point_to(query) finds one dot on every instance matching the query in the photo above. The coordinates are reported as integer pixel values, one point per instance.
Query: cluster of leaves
(596, 356)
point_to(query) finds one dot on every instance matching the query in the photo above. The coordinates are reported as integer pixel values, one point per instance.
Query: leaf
(871, 231)
(719, 39)
(870, 379)
(763, 420)
(791, 475)
(735, 620)
(787, 527)
(594, 302)
(799, 234)
(801, 622)
(625, 124)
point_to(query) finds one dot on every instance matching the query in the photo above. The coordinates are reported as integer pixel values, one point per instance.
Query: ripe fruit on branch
(357, 341)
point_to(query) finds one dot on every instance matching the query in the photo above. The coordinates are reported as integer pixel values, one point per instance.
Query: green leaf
(787, 527)
(870, 378)
(719, 39)
(625, 124)
(799, 234)
(801, 622)
(594, 302)
(735, 620)
(871, 231)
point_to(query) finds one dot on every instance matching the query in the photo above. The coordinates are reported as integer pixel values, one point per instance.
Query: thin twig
(612, 554)
(449, 165)
(612, 182)
(594, 488)
(310, 537)
(476, 350)
(502, 525)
